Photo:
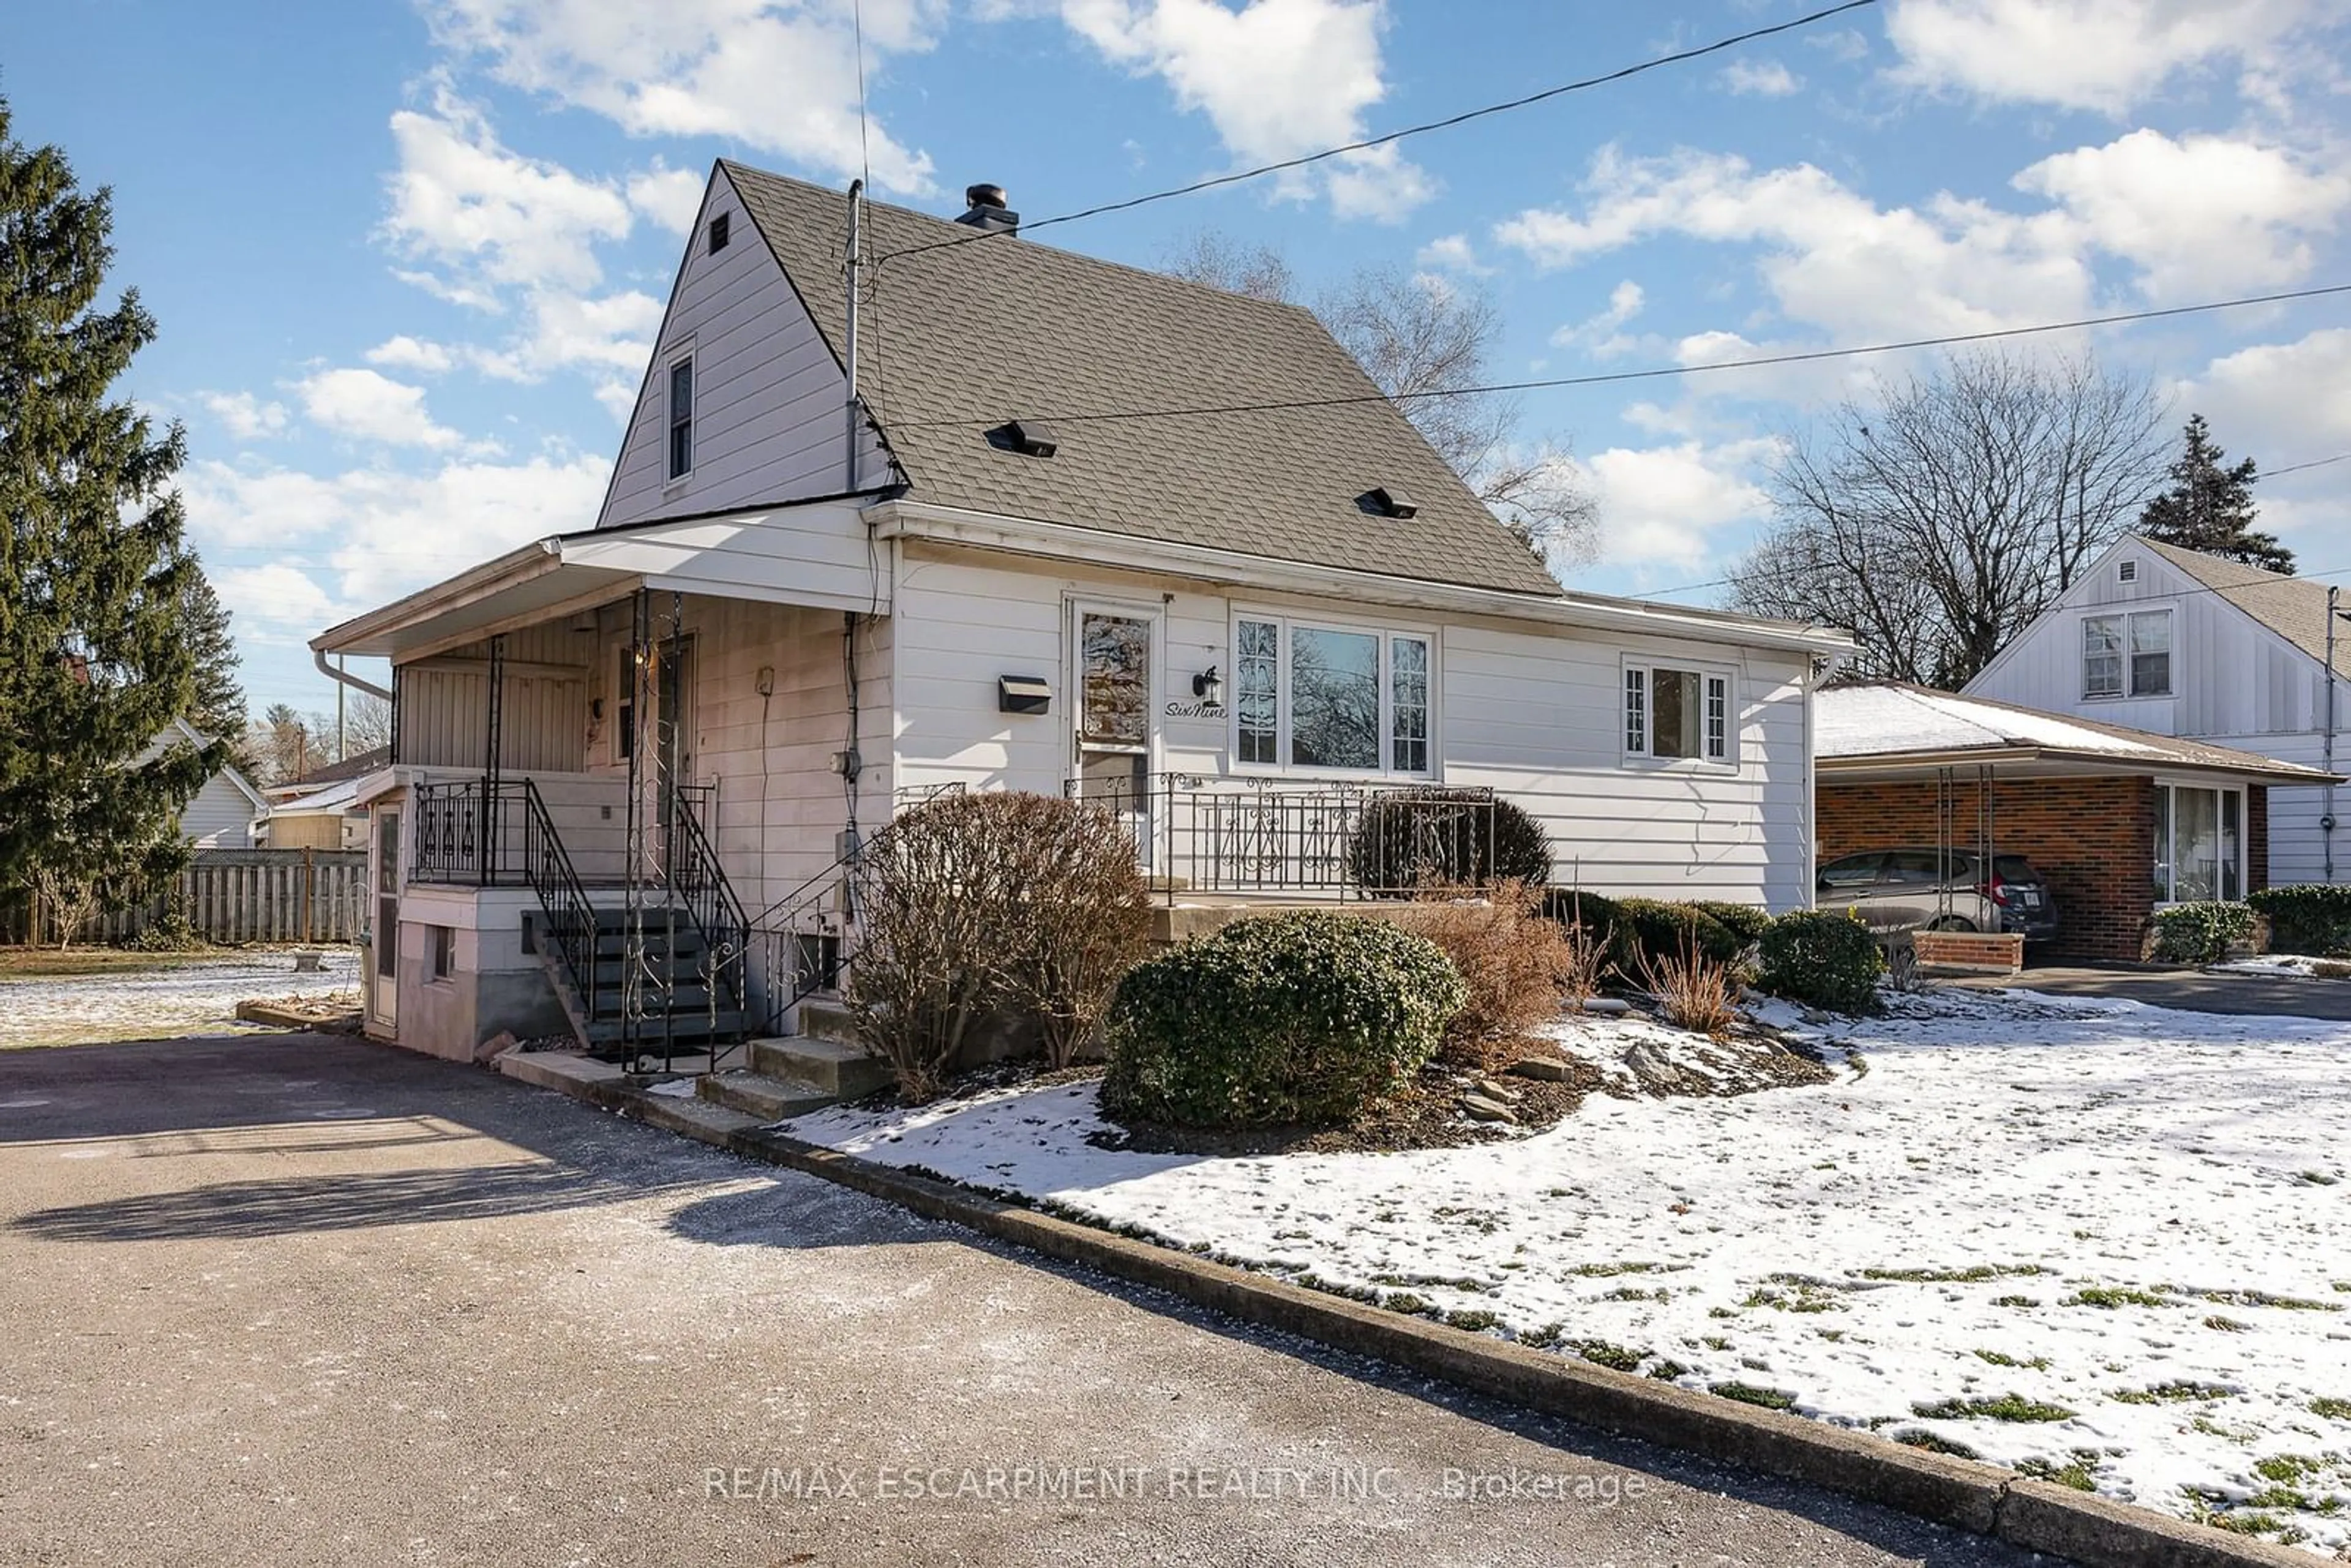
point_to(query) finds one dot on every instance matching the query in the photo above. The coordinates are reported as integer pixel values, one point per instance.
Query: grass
(2172, 1393)
(2333, 1409)
(2015, 1301)
(1920, 1437)
(1753, 1394)
(1616, 1357)
(2077, 1472)
(2005, 1407)
(2264, 1298)
(49, 964)
(1973, 1274)
(1998, 1358)
(2111, 1297)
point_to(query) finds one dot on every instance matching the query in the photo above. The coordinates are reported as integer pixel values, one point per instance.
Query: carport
(2118, 822)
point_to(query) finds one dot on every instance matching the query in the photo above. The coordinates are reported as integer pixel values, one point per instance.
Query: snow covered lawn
(2285, 963)
(173, 1000)
(2101, 1241)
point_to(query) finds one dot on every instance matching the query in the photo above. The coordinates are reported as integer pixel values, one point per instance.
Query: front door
(1117, 712)
(384, 936)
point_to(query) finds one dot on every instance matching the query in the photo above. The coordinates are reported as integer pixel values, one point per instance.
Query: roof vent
(1030, 437)
(985, 210)
(1388, 502)
(2127, 571)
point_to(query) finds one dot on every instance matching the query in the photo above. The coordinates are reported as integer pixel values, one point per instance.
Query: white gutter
(344, 677)
(952, 525)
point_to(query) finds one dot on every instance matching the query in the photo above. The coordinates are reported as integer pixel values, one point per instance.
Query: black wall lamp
(1209, 688)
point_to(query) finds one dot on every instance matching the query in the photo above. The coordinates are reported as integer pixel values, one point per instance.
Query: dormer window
(718, 235)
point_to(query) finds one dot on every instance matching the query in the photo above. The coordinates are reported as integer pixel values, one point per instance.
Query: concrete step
(769, 1099)
(695, 1026)
(821, 1018)
(844, 1071)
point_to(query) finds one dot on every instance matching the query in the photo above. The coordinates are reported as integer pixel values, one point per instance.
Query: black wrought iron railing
(569, 925)
(1336, 839)
(698, 885)
(471, 831)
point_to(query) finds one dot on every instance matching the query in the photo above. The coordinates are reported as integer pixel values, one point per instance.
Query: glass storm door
(383, 937)
(1115, 714)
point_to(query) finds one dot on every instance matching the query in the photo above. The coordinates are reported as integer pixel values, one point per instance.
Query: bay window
(1677, 715)
(2126, 655)
(1331, 698)
(2199, 843)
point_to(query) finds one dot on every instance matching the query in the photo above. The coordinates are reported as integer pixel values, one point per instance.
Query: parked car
(1905, 889)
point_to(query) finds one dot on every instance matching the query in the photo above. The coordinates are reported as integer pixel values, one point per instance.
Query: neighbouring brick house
(2120, 822)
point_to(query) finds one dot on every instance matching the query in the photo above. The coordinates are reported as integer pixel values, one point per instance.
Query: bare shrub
(1584, 966)
(1518, 963)
(70, 899)
(1693, 990)
(971, 906)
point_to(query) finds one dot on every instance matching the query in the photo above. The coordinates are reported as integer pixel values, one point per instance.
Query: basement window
(681, 418)
(1675, 714)
(718, 233)
(441, 955)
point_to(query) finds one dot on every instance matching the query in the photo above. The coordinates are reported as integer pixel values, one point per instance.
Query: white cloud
(1276, 78)
(2103, 55)
(403, 352)
(2283, 402)
(244, 416)
(1599, 331)
(483, 219)
(1449, 252)
(1761, 78)
(1830, 257)
(608, 339)
(370, 406)
(365, 537)
(670, 197)
(1667, 506)
(780, 78)
(2200, 214)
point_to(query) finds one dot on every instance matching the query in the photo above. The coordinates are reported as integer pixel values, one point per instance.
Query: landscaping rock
(1481, 1109)
(1493, 1089)
(1549, 1069)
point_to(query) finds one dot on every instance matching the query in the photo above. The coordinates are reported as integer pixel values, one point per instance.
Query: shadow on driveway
(2194, 990)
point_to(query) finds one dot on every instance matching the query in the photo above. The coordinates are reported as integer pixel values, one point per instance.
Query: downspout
(345, 677)
(2326, 815)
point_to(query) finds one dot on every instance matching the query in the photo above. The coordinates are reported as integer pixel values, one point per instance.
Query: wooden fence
(236, 895)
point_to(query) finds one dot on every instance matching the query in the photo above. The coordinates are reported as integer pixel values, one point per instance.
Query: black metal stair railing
(571, 919)
(698, 885)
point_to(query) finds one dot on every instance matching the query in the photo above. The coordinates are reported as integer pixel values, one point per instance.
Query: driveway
(297, 1299)
(2197, 990)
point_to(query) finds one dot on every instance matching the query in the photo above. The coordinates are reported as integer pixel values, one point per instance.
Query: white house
(2169, 640)
(1031, 521)
(220, 815)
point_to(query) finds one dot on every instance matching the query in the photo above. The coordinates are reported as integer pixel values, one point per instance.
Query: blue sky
(408, 258)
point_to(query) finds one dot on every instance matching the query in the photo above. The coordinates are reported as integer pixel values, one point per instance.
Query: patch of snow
(2275, 964)
(2133, 1216)
(170, 999)
(674, 1089)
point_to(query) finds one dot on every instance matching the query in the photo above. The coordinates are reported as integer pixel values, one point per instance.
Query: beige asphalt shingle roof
(954, 342)
(2292, 607)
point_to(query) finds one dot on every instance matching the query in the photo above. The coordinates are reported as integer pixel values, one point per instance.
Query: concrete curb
(1984, 1499)
(284, 1018)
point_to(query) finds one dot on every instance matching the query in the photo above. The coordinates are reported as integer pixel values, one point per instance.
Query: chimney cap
(984, 195)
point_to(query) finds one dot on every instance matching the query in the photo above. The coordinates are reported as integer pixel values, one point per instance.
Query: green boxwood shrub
(1596, 911)
(1744, 921)
(1280, 1019)
(2309, 918)
(2200, 933)
(1651, 930)
(1823, 960)
(1412, 838)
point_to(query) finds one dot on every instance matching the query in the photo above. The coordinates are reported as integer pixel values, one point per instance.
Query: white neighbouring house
(220, 815)
(2204, 648)
(1055, 541)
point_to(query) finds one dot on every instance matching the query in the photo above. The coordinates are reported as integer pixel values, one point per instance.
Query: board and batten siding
(770, 420)
(2233, 680)
(542, 712)
(1533, 713)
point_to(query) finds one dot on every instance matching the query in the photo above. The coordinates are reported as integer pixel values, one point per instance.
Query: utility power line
(1074, 416)
(1387, 139)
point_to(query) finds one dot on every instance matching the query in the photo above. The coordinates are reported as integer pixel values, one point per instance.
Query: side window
(1914, 868)
(1850, 873)
(681, 418)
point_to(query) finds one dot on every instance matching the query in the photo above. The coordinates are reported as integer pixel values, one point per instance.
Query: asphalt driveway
(2196, 990)
(295, 1300)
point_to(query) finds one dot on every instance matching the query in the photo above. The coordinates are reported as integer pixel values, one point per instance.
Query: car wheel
(1951, 923)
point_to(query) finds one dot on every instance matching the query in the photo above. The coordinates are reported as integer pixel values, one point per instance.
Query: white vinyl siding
(770, 402)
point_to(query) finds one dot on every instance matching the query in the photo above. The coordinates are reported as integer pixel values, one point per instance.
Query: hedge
(1823, 960)
(1280, 1019)
(2309, 918)
(2200, 933)
(1436, 836)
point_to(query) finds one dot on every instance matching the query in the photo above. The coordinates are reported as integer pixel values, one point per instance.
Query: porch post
(484, 852)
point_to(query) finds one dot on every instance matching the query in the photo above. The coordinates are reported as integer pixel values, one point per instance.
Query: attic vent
(2127, 571)
(718, 226)
(1390, 503)
(1032, 437)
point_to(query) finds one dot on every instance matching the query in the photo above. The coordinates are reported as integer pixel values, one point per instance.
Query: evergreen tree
(96, 654)
(2210, 506)
(219, 707)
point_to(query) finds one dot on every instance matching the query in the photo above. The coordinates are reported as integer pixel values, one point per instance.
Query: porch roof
(722, 555)
(1888, 730)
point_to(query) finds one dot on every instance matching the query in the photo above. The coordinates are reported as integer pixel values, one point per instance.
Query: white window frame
(2130, 670)
(2168, 819)
(683, 355)
(1641, 703)
(1388, 632)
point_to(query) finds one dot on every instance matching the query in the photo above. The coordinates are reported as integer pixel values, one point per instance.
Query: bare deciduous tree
(1940, 521)
(1424, 341)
